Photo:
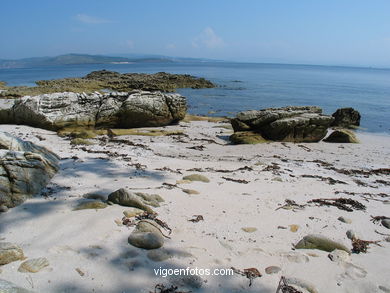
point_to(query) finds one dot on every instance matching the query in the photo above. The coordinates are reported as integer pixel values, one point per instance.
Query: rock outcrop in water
(25, 169)
(293, 123)
(346, 117)
(111, 110)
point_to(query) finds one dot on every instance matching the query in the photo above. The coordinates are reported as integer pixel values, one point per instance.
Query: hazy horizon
(340, 33)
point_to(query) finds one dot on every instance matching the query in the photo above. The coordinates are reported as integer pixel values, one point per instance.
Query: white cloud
(209, 39)
(170, 46)
(84, 18)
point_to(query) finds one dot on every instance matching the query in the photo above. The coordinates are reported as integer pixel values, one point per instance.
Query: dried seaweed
(161, 288)
(169, 170)
(346, 204)
(251, 274)
(330, 180)
(291, 205)
(359, 245)
(236, 180)
(197, 147)
(196, 218)
(376, 219)
(283, 287)
(380, 171)
(147, 216)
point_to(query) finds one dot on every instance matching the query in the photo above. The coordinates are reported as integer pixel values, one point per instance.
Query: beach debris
(197, 147)
(147, 216)
(274, 167)
(169, 170)
(304, 147)
(367, 173)
(346, 204)
(376, 219)
(287, 285)
(196, 219)
(80, 272)
(236, 180)
(330, 180)
(250, 273)
(291, 205)
(359, 245)
(161, 288)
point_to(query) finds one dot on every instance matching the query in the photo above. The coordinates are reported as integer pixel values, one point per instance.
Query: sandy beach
(251, 187)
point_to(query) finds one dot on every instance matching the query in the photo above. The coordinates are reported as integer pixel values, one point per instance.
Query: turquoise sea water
(244, 86)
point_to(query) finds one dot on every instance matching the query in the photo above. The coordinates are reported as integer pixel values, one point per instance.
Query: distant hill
(72, 59)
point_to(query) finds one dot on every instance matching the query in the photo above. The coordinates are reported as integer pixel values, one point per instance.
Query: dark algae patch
(104, 80)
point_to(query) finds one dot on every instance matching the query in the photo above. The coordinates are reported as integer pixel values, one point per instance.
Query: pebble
(386, 223)
(132, 212)
(197, 177)
(384, 289)
(249, 229)
(344, 220)
(146, 235)
(191, 191)
(33, 265)
(339, 256)
(351, 234)
(294, 228)
(272, 270)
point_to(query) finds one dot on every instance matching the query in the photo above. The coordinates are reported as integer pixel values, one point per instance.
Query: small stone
(278, 179)
(351, 235)
(321, 243)
(294, 228)
(339, 256)
(81, 273)
(3, 208)
(33, 265)
(183, 181)
(197, 177)
(146, 235)
(191, 191)
(272, 270)
(249, 229)
(129, 213)
(344, 220)
(384, 289)
(386, 223)
(9, 253)
(91, 205)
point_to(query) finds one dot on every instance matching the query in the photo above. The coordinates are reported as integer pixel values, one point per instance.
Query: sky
(330, 32)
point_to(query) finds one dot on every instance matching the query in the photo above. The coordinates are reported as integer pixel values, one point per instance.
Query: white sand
(91, 241)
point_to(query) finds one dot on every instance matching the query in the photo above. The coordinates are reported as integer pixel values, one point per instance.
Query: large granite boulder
(25, 169)
(116, 109)
(346, 117)
(292, 123)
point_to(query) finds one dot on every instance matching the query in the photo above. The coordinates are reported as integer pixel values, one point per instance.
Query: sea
(248, 86)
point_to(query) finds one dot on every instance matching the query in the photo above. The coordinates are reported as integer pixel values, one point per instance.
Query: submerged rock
(292, 123)
(342, 136)
(346, 117)
(33, 265)
(25, 169)
(146, 235)
(9, 253)
(321, 243)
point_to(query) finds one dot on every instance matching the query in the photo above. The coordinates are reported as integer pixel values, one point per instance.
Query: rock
(25, 169)
(96, 204)
(386, 223)
(111, 110)
(3, 209)
(81, 141)
(190, 191)
(8, 287)
(346, 117)
(196, 177)
(272, 270)
(344, 220)
(33, 265)
(146, 235)
(246, 137)
(352, 235)
(295, 124)
(249, 229)
(9, 253)
(137, 200)
(321, 243)
(384, 289)
(342, 136)
(291, 281)
(339, 256)
(95, 196)
(129, 213)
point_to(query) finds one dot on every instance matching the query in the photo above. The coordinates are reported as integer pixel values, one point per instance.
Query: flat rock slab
(33, 265)
(10, 252)
(321, 243)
